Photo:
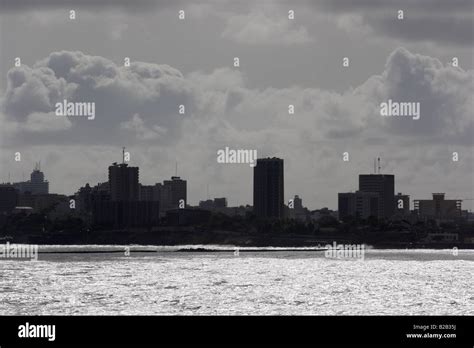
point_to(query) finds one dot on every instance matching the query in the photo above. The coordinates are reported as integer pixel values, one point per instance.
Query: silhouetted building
(384, 185)
(220, 202)
(297, 211)
(268, 188)
(36, 184)
(207, 204)
(172, 193)
(298, 203)
(323, 212)
(8, 198)
(120, 205)
(123, 182)
(438, 208)
(86, 196)
(361, 205)
(216, 204)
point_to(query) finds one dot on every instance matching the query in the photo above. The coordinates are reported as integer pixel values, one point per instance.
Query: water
(394, 282)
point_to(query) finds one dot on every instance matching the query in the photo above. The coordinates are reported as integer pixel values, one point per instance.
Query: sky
(283, 61)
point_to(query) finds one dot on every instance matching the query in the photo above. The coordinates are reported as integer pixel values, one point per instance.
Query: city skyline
(283, 62)
(368, 185)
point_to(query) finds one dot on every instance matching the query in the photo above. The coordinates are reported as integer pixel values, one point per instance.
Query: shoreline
(215, 247)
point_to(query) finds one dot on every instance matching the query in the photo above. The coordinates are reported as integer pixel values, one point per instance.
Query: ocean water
(166, 282)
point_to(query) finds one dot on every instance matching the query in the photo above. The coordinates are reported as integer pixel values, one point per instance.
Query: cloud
(150, 90)
(444, 93)
(259, 28)
(137, 107)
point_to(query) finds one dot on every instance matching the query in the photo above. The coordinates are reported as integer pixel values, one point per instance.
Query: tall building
(361, 205)
(123, 182)
(438, 208)
(36, 184)
(172, 193)
(122, 202)
(268, 188)
(384, 185)
(8, 198)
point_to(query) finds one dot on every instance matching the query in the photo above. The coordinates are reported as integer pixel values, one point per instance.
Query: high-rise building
(173, 194)
(36, 184)
(268, 188)
(384, 185)
(361, 205)
(123, 182)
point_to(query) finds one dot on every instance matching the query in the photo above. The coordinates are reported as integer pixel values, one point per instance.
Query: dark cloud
(93, 5)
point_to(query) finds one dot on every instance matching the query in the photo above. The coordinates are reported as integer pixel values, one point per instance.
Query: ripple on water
(391, 282)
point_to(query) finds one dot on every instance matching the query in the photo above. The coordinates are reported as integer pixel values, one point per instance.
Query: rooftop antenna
(208, 191)
(123, 155)
(176, 169)
(378, 159)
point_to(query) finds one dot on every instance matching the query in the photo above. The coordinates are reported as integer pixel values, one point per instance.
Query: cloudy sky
(282, 62)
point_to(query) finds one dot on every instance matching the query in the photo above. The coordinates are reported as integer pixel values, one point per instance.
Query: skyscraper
(123, 182)
(384, 185)
(173, 192)
(268, 188)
